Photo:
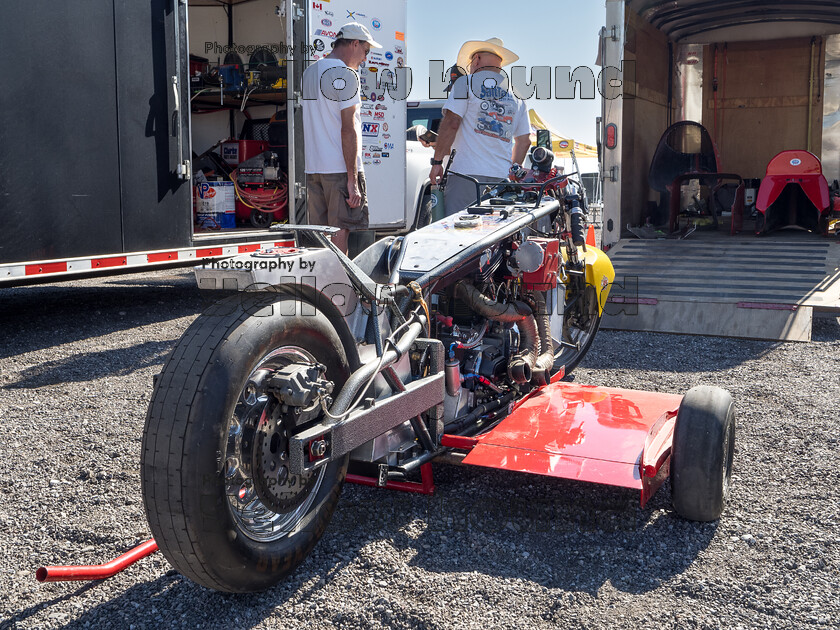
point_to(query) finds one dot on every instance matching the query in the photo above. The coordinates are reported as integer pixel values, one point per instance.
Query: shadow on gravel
(173, 601)
(826, 328)
(89, 366)
(565, 536)
(43, 317)
(26, 613)
(559, 534)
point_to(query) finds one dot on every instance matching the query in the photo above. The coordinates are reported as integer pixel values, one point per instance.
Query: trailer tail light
(611, 141)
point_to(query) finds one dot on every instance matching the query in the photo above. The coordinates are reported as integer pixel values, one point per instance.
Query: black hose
(578, 225)
(463, 423)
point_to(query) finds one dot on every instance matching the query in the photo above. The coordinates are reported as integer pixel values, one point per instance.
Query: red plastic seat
(793, 192)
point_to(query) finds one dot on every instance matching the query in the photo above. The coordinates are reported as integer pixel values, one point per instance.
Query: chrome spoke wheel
(264, 497)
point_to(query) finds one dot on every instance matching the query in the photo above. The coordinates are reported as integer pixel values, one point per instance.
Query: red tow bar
(84, 573)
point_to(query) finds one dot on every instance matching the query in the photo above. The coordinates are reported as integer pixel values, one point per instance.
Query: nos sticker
(370, 129)
(795, 162)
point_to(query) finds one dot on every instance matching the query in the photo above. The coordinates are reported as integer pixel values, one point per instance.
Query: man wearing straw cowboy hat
(483, 121)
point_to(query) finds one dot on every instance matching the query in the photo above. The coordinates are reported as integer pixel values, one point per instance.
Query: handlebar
(542, 185)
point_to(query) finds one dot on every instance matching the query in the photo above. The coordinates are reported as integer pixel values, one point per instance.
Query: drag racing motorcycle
(383, 361)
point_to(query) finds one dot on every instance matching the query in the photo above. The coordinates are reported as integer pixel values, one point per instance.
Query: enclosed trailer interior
(759, 77)
(758, 93)
(238, 55)
(100, 165)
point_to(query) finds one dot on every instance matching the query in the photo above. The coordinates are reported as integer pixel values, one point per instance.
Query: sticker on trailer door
(370, 129)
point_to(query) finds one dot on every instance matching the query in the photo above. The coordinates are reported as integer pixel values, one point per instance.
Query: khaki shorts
(326, 201)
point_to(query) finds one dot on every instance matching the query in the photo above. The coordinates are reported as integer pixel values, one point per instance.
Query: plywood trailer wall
(645, 114)
(762, 100)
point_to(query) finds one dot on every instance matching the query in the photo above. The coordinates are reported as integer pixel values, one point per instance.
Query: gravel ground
(489, 550)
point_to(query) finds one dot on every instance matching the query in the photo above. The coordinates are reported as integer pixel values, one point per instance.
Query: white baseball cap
(354, 30)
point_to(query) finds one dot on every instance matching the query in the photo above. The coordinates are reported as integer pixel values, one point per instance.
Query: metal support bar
(365, 424)
(420, 429)
(426, 485)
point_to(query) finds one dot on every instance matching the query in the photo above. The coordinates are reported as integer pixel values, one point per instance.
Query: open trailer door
(96, 129)
(383, 110)
(755, 82)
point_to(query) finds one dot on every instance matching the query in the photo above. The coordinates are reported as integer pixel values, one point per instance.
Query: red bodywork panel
(603, 435)
(794, 167)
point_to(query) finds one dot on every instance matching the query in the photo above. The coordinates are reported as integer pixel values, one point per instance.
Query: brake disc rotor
(277, 487)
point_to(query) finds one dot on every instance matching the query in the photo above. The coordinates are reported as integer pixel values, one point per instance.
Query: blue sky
(542, 33)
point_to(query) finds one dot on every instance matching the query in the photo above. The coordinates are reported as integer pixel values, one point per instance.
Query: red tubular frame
(425, 486)
(85, 573)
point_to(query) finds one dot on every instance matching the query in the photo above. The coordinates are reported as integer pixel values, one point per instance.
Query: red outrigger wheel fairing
(604, 435)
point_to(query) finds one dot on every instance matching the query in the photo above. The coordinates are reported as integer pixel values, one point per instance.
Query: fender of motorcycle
(603, 435)
(314, 267)
(600, 273)
(313, 275)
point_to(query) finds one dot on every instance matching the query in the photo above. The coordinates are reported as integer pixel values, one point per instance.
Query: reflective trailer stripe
(116, 261)
(161, 257)
(80, 265)
(56, 267)
(135, 260)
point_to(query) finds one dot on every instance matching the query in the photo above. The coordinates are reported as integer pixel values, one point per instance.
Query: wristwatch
(435, 162)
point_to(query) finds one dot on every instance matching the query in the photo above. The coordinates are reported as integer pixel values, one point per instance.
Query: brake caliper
(296, 394)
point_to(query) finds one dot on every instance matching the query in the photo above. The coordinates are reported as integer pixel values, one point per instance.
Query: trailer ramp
(748, 287)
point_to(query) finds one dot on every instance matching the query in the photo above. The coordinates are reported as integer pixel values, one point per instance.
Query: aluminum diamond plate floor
(760, 288)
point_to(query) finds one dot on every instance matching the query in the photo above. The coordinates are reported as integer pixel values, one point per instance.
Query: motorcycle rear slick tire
(187, 429)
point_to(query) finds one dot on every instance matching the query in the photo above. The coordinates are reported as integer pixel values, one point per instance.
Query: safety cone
(590, 236)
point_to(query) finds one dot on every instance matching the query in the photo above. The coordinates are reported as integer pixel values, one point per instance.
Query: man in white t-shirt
(483, 121)
(332, 132)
